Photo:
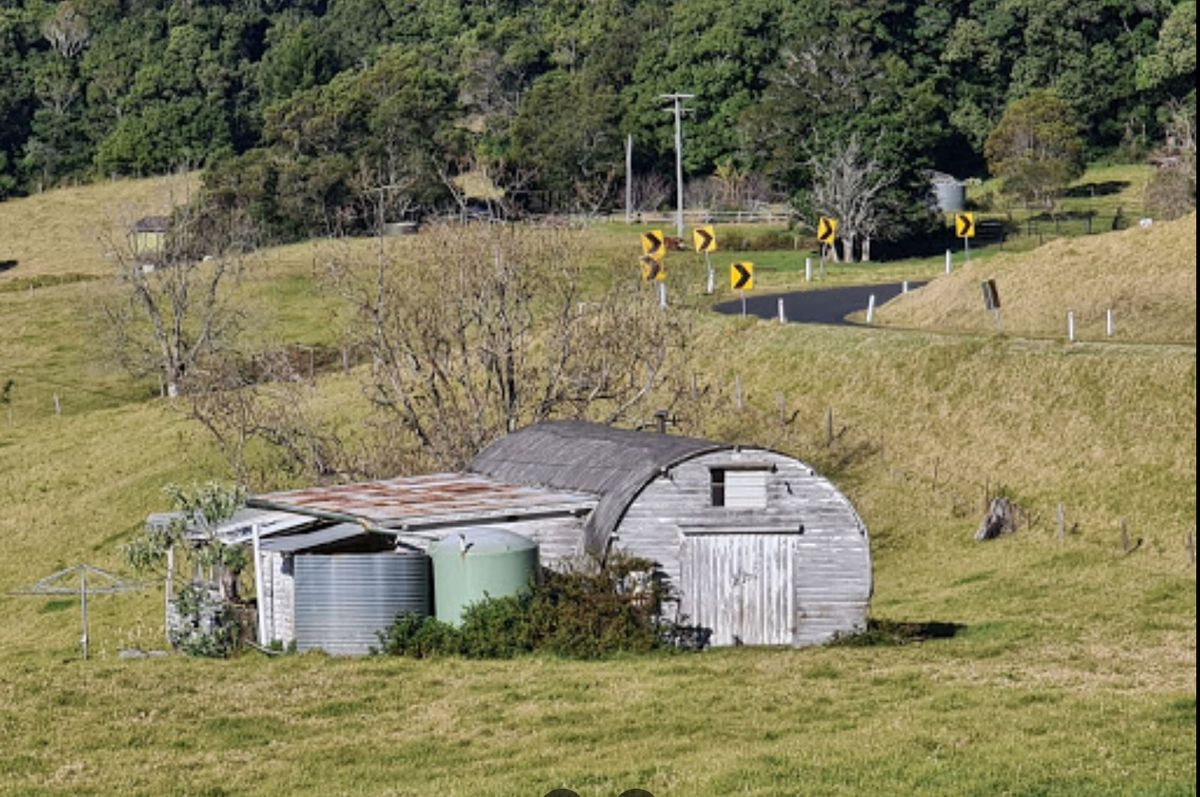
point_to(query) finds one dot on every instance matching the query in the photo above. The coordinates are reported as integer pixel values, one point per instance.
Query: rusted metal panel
(433, 500)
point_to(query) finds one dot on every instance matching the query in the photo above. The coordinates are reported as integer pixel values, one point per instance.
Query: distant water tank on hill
(951, 194)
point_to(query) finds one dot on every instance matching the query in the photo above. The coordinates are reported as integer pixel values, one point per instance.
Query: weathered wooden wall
(279, 601)
(752, 573)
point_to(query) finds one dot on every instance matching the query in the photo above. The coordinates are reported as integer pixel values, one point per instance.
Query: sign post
(705, 240)
(964, 227)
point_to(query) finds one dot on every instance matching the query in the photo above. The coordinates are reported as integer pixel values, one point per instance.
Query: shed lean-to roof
(152, 224)
(573, 455)
(438, 499)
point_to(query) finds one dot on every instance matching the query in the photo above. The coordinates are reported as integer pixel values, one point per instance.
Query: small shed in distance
(149, 236)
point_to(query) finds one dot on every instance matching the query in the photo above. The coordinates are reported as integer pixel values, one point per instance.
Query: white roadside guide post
(258, 588)
(782, 316)
(1071, 326)
(83, 640)
(904, 287)
(949, 260)
(711, 273)
(808, 269)
(662, 294)
(871, 308)
(1108, 323)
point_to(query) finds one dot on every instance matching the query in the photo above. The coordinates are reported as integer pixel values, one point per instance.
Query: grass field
(47, 241)
(1147, 277)
(1065, 667)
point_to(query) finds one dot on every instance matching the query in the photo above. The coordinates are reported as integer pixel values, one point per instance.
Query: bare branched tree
(174, 305)
(243, 398)
(485, 328)
(650, 191)
(847, 185)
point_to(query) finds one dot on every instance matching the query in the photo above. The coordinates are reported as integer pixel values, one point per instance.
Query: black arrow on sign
(823, 231)
(743, 276)
(965, 224)
(655, 242)
(705, 240)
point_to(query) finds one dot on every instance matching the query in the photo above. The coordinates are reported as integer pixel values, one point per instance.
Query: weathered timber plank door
(739, 584)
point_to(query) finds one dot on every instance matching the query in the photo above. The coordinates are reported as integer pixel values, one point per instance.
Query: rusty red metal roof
(432, 500)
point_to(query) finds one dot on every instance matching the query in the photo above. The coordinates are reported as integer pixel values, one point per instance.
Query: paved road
(829, 306)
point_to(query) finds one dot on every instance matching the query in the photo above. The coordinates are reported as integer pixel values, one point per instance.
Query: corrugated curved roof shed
(614, 464)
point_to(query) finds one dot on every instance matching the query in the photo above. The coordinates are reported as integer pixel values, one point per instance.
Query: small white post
(1071, 326)
(662, 294)
(904, 287)
(169, 590)
(83, 640)
(1108, 323)
(949, 260)
(808, 269)
(57, 405)
(871, 308)
(782, 316)
(711, 273)
(259, 592)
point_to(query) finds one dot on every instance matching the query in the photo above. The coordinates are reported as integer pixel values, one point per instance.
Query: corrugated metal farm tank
(951, 195)
(344, 600)
(475, 563)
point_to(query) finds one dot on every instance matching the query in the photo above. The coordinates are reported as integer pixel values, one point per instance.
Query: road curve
(828, 306)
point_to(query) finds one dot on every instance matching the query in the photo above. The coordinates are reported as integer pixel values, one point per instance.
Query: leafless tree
(650, 191)
(266, 397)
(67, 30)
(173, 307)
(485, 328)
(847, 186)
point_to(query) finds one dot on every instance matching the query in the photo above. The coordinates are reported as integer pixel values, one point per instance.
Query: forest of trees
(319, 115)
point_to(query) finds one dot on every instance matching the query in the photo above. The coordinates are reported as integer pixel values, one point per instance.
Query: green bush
(420, 637)
(583, 615)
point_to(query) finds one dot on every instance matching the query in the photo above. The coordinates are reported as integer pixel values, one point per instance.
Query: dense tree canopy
(319, 114)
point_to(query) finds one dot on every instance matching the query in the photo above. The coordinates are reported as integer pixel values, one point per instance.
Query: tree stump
(1001, 519)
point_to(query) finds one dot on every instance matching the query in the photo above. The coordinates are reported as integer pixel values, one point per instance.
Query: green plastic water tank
(474, 563)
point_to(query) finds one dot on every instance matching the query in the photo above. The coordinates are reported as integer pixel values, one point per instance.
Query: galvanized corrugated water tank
(471, 564)
(344, 600)
(951, 195)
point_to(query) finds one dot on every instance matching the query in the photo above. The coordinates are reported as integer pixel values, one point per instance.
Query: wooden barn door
(739, 584)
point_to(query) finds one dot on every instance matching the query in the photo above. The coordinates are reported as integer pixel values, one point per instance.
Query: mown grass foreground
(1062, 666)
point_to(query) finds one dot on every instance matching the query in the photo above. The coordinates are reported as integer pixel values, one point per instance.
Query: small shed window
(742, 488)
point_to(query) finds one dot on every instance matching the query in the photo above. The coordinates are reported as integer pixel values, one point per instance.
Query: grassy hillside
(1066, 667)
(1146, 276)
(59, 232)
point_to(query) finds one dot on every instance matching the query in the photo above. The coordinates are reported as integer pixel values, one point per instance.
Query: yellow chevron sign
(704, 239)
(741, 276)
(964, 225)
(652, 269)
(826, 230)
(654, 245)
